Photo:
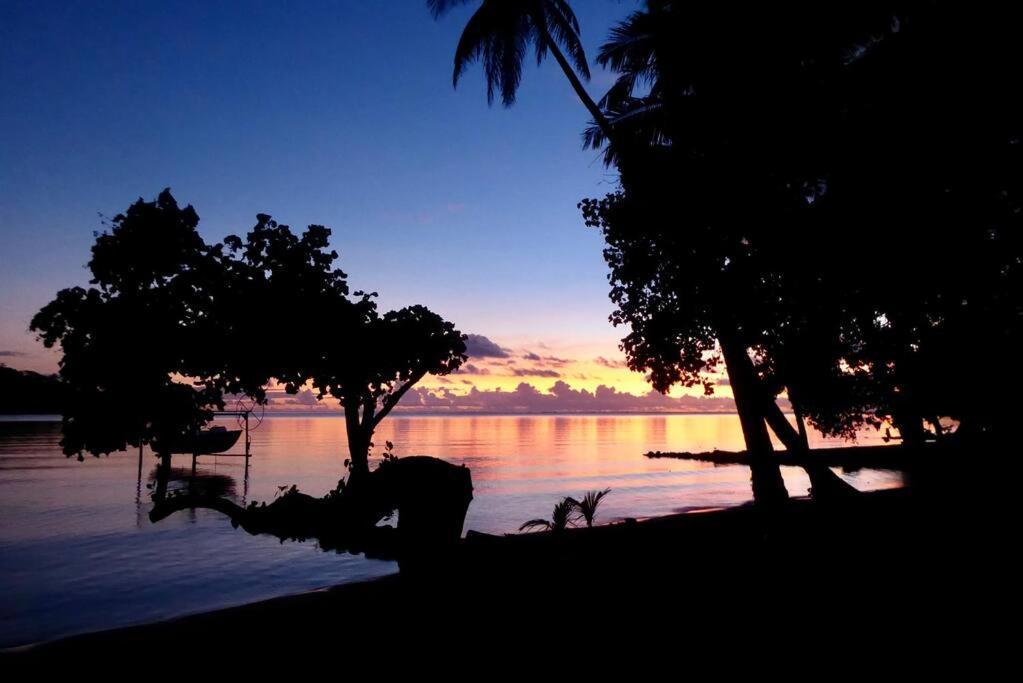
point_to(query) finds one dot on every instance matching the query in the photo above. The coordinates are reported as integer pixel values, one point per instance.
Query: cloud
(723, 382)
(608, 363)
(544, 360)
(478, 346)
(561, 398)
(535, 372)
(11, 354)
(305, 398)
(470, 369)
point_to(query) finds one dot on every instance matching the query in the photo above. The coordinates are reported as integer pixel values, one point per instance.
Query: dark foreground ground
(913, 578)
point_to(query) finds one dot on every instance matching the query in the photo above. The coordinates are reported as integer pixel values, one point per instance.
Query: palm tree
(633, 51)
(561, 518)
(499, 34)
(587, 507)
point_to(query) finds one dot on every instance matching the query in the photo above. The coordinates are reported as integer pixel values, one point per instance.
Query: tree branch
(392, 400)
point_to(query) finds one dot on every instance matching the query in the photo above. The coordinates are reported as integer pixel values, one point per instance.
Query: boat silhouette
(205, 442)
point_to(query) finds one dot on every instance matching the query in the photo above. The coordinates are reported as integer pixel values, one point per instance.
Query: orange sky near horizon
(582, 366)
(539, 377)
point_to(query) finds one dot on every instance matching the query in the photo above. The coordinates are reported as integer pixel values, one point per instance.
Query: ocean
(78, 552)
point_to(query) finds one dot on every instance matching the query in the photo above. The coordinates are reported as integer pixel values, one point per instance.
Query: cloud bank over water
(533, 377)
(561, 398)
(524, 399)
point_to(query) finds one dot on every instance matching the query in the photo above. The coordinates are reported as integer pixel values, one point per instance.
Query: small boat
(206, 442)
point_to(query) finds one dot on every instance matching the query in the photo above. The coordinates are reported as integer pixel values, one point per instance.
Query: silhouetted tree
(126, 338)
(499, 33)
(779, 141)
(365, 359)
(172, 324)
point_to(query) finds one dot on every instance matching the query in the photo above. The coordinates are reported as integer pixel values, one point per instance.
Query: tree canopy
(171, 325)
(836, 187)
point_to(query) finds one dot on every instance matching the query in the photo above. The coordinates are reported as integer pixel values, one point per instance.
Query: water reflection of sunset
(521, 465)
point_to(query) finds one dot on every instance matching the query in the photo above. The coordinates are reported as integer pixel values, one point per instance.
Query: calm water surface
(78, 552)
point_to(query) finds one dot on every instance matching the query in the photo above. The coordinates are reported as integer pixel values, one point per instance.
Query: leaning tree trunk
(761, 407)
(824, 483)
(765, 475)
(626, 156)
(580, 91)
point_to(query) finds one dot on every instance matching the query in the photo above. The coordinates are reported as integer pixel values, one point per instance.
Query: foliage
(588, 504)
(499, 33)
(812, 187)
(568, 511)
(562, 517)
(127, 338)
(171, 324)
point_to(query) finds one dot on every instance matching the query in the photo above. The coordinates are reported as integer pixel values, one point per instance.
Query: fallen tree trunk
(896, 457)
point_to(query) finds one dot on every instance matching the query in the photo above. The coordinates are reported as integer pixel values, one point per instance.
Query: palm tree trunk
(765, 475)
(580, 91)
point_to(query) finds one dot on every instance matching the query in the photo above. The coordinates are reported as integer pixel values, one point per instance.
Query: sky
(337, 113)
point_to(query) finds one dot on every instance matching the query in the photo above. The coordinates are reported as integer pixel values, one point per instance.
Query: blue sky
(339, 113)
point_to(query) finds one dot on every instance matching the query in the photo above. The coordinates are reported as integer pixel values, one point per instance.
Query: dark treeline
(805, 191)
(170, 324)
(23, 392)
(823, 199)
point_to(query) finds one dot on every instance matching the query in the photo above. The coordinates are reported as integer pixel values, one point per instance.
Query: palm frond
(630, 48)
(563, 27)
(587, 507)
(536, 524)
(637, 120)
(499, 33)
(563, 515)
(440, 7)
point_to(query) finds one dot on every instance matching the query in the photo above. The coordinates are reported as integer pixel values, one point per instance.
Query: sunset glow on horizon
(542, 378)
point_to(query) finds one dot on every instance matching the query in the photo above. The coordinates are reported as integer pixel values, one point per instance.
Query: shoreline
(475, 544)
(522, 581)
